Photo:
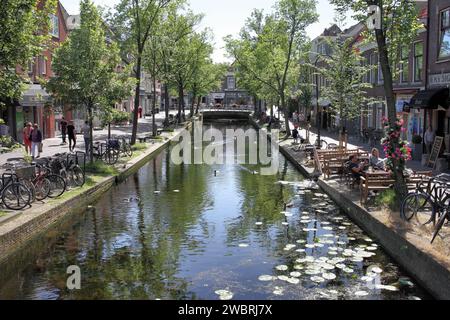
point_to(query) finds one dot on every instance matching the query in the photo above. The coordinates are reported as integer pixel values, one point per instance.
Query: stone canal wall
(23, 227)
(412, 253)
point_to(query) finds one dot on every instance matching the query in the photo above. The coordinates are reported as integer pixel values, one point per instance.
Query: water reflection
(185, 232)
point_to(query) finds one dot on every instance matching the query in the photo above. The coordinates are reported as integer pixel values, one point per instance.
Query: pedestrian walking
(72, 135)
(86, 130)
(430, 136)
(26, 137)
(295, 135)
(63, 124)
(36, 141)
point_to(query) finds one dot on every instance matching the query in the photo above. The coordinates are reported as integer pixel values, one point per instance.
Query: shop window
(418, 61)
(444, 44)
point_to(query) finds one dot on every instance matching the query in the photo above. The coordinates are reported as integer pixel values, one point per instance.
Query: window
(404, 65)
(444, 45)
(370, 116)
(30, 66)
(418, 61)
(42, 65)
(380, 73)
(54, 28)
(379, 124)
(231, 83)
(373, 58)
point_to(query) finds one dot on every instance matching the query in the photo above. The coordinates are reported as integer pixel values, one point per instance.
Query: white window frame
(447, 29)
(414, 61)
(380, 79)
(370, 116)
(42, 65)
(54, 28)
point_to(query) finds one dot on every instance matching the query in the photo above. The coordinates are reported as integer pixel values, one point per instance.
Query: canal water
(208, 232)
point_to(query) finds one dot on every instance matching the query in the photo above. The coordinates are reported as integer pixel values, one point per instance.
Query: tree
(269, 56)
(23, 35)
(398, 25)
(86, 68)
(207, 77)
(165, 54)
(345, 88)
(133, 23)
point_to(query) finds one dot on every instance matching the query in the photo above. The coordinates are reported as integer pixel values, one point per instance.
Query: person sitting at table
(375, 161)
(356, 168)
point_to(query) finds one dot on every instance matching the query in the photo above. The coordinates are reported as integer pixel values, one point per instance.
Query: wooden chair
(374, 182)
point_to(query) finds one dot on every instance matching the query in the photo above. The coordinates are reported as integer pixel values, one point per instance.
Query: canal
(208, 232)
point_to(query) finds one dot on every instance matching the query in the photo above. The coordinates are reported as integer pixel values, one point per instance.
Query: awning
(431, 99)
(35, 95)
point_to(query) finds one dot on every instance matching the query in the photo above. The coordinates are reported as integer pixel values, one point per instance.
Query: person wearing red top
(26, 137)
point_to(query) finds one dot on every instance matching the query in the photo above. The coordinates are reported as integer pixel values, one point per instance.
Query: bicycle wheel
(57, 186)
(42, 187)
(128, 150)
(110, 156)
(78, 176)
(418, 206)
(16, 196)
(31, 187)
(440, 223)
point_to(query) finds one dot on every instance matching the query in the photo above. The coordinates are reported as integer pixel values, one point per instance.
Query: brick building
(36, 105)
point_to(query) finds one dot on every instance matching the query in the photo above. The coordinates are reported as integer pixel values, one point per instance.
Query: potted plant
(417, 147)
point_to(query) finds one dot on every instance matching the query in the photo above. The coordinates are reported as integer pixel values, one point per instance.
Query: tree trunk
(91, 134)
(109, 130)
(194, 96)
(180, 100)
(199, 100)
(400, 185)
(166, 102)
(154, 129)
(286, 116)
(136, 99)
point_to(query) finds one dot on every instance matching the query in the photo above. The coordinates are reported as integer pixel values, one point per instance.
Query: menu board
(435, 152)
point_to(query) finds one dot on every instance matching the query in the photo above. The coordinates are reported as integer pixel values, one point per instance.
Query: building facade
(36, 105)
(230, 93)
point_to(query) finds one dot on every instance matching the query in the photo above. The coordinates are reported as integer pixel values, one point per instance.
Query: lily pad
(243, 245)
(328, 276)
(361, 293)
(317, 279)
(265, 277)
(295, 274)
(293, 280)
(282, 267)
(278, 291)
(224, 294)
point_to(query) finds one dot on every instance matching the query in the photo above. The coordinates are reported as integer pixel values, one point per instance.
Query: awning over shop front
(431, 99)
(35, 95)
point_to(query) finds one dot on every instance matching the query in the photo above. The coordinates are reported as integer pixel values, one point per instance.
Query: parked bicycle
(14, 194)
(66, 166)
(428, 200)
(106, 152)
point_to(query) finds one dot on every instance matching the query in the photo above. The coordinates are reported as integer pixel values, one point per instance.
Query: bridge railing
(229, 108)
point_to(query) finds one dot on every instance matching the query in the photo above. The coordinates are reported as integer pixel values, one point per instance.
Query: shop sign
(442, 79)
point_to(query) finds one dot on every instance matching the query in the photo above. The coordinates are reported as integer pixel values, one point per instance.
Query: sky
(226, 17)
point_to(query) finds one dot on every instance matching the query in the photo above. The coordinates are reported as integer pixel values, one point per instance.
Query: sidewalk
(353, 143)
(54, 145)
